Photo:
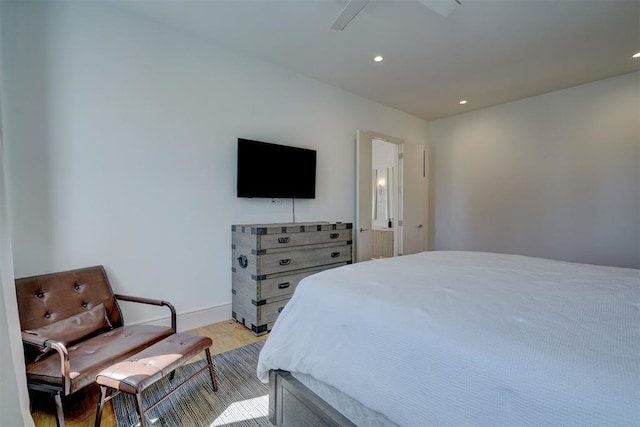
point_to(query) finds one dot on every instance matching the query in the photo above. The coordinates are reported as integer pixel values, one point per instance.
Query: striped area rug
(241, 399)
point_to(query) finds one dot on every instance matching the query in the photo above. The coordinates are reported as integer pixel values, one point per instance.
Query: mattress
(469, 338)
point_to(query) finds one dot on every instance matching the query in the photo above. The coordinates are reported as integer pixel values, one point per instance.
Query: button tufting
(40, 295)
(84, 305)
(76, 287)
(47, 315)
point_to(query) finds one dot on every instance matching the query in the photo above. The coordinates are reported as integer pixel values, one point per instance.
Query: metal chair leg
(57, 397)
(101, 402)
(212, 371)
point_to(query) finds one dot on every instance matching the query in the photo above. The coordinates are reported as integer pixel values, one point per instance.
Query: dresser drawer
(259, 238)
(302, 239)
(295, 260)
(272, 287)
(279, 262)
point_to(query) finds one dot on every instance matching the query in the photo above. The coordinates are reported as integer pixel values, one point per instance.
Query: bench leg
(140, 410)
(103, 397)
(212, 371)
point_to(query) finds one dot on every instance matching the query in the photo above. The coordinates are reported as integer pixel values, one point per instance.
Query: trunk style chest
(269, 260)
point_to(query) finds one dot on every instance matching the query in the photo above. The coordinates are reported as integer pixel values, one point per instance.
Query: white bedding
(469, 338)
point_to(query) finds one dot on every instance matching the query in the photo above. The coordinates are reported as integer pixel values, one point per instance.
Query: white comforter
(469, 338)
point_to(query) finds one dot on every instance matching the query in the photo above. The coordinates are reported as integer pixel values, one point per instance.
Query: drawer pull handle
(284, 285)
(335, 254)
(243, 261)
(334, 235)
(284, 239)
(280, 309)
(286, 261)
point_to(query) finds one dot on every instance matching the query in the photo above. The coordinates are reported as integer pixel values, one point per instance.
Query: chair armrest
(151, 302)
(34, 339)
(44, 342)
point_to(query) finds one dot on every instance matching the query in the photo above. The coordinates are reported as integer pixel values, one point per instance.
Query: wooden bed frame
(291, 403)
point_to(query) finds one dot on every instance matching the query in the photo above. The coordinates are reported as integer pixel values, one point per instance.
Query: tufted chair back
(48, 298)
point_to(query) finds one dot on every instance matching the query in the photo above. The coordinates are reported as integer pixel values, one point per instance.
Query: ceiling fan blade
(348, 13)
(441, 7)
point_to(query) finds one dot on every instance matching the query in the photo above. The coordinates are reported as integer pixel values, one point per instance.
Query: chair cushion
(70, 330)
(89, 357)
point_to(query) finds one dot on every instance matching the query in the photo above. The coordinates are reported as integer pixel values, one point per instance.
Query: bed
(458, 338)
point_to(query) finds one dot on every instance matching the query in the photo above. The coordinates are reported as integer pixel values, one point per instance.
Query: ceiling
(486, 51)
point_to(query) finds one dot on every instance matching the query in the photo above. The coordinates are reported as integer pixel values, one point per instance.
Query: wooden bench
(145, 368)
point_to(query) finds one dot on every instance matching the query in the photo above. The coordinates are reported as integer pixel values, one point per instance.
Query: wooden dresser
(269, 260)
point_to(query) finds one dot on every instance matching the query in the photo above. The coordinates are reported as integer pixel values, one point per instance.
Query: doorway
(384, 161)
(393, 190)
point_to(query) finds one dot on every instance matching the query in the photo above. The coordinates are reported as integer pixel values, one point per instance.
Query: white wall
(556, 175)
(121, 138)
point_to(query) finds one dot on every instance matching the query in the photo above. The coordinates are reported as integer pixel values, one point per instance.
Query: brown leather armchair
(72, 328)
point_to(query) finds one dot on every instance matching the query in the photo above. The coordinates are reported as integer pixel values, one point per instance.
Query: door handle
(419, 226)
(243, 261)
(363, 229)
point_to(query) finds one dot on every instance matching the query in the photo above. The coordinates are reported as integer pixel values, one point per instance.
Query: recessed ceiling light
(464, 101)
(637, 55)
(378, 58)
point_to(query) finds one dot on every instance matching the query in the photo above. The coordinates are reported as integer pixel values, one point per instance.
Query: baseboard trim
(195, 319)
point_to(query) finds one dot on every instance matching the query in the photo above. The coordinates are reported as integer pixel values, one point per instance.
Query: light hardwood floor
(80, 408)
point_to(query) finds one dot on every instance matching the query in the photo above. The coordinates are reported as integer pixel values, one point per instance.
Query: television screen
(275, 171)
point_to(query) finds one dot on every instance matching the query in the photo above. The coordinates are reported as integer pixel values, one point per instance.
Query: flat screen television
(275, 171)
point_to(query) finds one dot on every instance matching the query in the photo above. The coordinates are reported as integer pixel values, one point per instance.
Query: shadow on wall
(28, 134)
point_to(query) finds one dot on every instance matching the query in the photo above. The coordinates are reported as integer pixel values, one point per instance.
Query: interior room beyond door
(391, 201)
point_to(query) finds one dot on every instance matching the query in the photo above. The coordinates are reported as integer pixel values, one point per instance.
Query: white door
(413, 198)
